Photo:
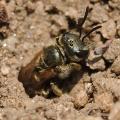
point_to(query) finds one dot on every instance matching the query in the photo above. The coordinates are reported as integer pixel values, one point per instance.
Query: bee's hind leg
(45, 93)
(55, 89)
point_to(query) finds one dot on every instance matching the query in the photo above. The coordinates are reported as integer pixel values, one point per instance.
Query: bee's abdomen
(34, 74)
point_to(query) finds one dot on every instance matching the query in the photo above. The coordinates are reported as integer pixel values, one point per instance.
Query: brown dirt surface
(26, 26)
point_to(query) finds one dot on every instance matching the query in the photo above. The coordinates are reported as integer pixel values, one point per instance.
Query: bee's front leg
(65, 70)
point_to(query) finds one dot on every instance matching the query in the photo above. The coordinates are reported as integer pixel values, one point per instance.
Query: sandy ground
(34, 24)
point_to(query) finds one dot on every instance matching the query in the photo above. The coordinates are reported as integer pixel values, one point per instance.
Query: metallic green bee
(56, 61)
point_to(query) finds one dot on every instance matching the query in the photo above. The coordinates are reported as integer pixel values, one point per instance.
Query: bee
(56, 61)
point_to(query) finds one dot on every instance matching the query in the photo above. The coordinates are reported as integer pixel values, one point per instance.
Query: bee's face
(74, 47)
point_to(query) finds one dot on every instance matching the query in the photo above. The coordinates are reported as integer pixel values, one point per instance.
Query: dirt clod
(101, 17)
(115, 113)
(108, 29)
(115, 68)
(3, 14)
(80, 99)
(104, 101)
(113, 51)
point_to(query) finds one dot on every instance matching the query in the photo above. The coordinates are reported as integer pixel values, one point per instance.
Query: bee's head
(75, 49)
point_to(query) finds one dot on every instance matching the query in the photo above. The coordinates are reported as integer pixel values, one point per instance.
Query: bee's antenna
(94, 29)
(82, 20)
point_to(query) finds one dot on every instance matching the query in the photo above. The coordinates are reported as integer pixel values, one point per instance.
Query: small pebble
(10, 43)
(5, 70)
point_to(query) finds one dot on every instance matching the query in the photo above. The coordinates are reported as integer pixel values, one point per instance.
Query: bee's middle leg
(65, 70)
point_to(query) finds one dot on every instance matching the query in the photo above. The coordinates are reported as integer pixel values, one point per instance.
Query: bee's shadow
(66, 86)
(70, 82)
